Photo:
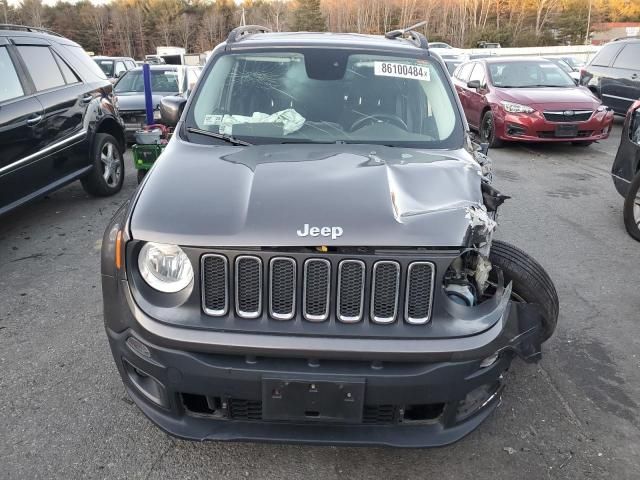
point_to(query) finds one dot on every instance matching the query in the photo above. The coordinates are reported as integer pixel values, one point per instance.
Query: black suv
(312, 257)
(58, 122)
(613, 75)
(626, 170)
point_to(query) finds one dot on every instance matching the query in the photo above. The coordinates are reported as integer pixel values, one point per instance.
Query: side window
(605, 55)
(68, 74)
(119, 69)
(478, 73)
(628, 58)
(465, 71)
(42, 67)
(10, 86)
(130, 64)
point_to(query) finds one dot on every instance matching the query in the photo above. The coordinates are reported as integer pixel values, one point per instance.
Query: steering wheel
(395, 119)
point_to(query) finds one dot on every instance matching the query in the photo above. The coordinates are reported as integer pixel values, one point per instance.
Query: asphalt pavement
(575, 415)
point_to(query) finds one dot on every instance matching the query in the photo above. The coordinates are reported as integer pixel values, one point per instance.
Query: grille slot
(215, 285)
(419, 290)
(317, 286)
(282, 288)
(385, 291)
(351, 276)
(379, 414)
(240, 409)
(573, 115)
(248, 286)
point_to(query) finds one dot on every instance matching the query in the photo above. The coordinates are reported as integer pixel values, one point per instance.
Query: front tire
(488, 130)
(631, 211)
(107, 175)
(531, 283)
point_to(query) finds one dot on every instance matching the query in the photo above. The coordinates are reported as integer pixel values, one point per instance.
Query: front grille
(343, 290)
(215, 278)
(419, 286)
(385, 291)
(282, 294)
(317, 285)
(379, 414)
(248, 286)
(351, 276)
(568, 115)
(552, 134)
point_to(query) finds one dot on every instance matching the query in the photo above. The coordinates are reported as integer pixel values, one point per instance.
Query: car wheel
(581, 144)
(107, 175)
(631, 212)
(531, 283)
(488, 130)
(141, 174)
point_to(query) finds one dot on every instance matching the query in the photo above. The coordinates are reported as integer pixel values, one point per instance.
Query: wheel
(531, 283)
(631, 211)
(107, 174)
(488, 130)
(141, 174)
(581, 144)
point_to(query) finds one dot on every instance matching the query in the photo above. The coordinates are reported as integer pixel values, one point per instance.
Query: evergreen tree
(308, 17)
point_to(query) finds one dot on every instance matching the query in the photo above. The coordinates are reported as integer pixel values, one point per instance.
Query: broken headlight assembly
(466, 281)
(164, 267)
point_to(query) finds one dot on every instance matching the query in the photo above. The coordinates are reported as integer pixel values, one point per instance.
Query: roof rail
(26, 28)
(416, 37)
(236, 34)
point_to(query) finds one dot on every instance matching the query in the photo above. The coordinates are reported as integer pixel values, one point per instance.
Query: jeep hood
(202, 195)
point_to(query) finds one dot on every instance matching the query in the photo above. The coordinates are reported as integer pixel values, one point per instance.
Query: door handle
(634, 76)
(34, 120)
(87, 99)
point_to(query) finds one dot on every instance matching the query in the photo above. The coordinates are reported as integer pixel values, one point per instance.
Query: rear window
(43, 68)
(629, 57)
(604, 57)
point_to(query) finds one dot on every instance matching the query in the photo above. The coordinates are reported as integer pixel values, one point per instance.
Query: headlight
(516, 107)
(157, 115)
(602, 108)
(165, 267)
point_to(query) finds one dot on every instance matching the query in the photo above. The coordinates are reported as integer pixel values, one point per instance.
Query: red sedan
(528, 100)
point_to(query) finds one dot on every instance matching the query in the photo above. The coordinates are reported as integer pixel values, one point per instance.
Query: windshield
(528, 74)
(106, 66)
(161, 81)
(327, 96)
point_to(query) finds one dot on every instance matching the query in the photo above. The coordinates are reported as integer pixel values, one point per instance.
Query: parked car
(574, 73)
(165, 80)
(614, 74)
(483, 44)
(452, 57)
(574, 62)
(626, 170)
(528, 100)
(312, 258)
(115, 67)
(57, 120)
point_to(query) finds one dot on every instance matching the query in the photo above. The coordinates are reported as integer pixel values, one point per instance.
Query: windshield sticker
(212, 119)
(401, 70)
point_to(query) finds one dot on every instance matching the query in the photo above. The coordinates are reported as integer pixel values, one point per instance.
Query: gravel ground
(64, 413)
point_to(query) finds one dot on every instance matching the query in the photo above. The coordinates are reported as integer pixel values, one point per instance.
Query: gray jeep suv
(311, 259)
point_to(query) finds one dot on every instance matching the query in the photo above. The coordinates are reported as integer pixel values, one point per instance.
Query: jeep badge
(333, 232)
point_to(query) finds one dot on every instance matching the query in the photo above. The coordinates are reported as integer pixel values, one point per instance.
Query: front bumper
(212, 388)
(534, 127)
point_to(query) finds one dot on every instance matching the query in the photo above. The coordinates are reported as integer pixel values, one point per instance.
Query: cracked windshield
(324, 97)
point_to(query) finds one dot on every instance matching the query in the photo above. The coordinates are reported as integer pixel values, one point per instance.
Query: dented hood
(271, 195)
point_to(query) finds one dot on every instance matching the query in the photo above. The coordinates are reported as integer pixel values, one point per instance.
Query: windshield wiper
(220, 136)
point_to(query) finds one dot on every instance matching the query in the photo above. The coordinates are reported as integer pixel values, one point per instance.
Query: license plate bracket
(327, 400)
(567, 131)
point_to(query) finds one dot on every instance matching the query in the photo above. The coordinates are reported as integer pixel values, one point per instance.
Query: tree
(308, 17)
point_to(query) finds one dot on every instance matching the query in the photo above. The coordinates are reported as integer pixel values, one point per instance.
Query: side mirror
(474, 84)
(576, 81)
(171, 110)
